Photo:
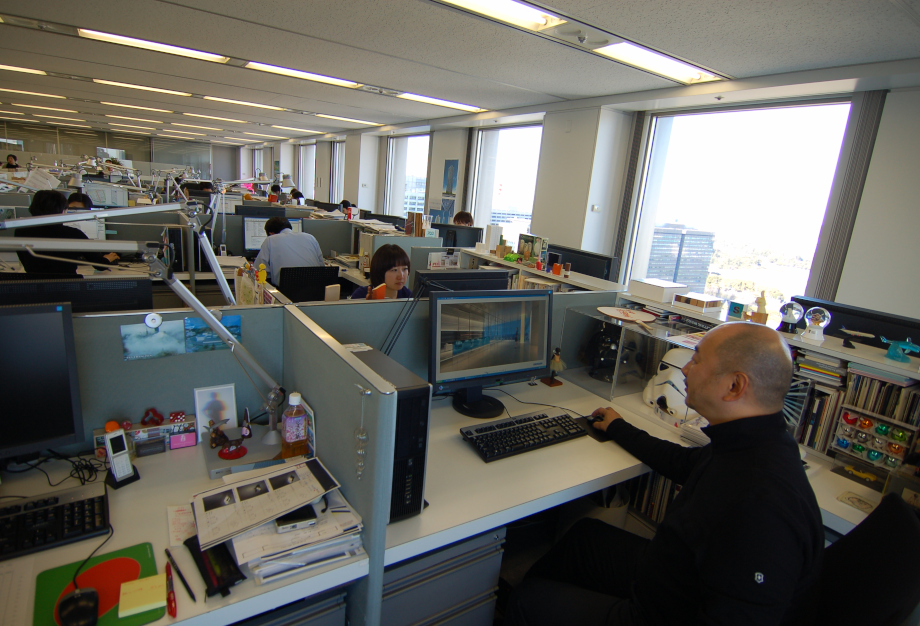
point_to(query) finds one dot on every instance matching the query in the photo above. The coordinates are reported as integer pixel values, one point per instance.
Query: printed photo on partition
(200, 338)
(451, 167)
(140, 341)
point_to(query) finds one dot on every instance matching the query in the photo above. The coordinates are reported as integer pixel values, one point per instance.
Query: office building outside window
(407, 174)
(337, 175)
(732, 202)
(506, 178)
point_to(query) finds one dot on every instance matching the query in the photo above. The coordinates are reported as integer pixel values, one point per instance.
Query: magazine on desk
(229, 510)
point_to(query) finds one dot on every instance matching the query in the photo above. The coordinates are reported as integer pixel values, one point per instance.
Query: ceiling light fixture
(12, 112)
(511, 12)
(136, 132)
(175, 137)
(15, 119)
(657, 63)
(66, 124)
(213, 117)
(347, 119)
(268, 136)
(244, 103)
(141, 87)
(58, 117)
(25, 70)
(152, 45)
(242, 139)
(133, 119)
(185, 132)
(126, 138)
(193, 126)
(130, 126)
(133, 106)
(440, 103)
(298, 130)
(33, 93)
(35, 106)
(319, 78)
(229, 143)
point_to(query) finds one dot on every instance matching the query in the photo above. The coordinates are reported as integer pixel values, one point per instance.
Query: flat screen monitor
(485, 338)
(39, 386)
(83, 295)
(460, 280)
(326, 206)
(260, 211)
(395, 220)
(584, 262)
(254, 231)
(455, 236)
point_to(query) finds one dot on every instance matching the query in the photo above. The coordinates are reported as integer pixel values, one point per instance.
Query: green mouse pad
(104, 573)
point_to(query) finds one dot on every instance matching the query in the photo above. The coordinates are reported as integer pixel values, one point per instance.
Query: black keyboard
(53, 520)
(513, 435)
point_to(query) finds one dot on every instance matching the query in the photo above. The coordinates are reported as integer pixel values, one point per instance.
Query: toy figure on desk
(217, 436)
(234, 448)
(898, 350)
(262, 275)
(556, 365)
(853, 334)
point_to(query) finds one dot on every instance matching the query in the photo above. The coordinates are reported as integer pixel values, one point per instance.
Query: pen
(181, 577)
(170, 592)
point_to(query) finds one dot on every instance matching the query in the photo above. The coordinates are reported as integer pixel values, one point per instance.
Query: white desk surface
(138, 514)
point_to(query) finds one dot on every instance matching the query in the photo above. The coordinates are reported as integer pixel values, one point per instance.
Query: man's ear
(738, 387)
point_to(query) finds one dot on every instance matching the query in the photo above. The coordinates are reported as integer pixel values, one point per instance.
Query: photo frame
(215, 404)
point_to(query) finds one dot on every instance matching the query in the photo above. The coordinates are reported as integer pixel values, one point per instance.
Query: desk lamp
(157, 269)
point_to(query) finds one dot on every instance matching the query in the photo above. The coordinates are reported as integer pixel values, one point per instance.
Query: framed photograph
(215, 404)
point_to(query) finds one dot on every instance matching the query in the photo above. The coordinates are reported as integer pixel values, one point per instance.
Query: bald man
(742, 541)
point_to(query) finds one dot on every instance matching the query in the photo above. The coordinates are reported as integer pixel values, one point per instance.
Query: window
(733, 201)
(506, 177)
(306, 170)
(337, 176)
(257, 162)
(407, 174)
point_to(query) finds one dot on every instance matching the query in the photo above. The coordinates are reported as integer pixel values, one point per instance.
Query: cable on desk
(91, 554)
(86, 470)
(555, 406)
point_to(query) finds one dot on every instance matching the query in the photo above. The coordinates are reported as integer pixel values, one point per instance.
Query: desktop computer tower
(413, 403)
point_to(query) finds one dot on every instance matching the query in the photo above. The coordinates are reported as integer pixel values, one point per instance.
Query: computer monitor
(584, 262)
(265, 211)
(456, 236)
(39, 386)
(395, 220)
(484, 338)
(254, 232)
(326, 206)
(460, 280)
(83, 295)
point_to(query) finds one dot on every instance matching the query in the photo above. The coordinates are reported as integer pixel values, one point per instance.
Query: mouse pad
(104, 573)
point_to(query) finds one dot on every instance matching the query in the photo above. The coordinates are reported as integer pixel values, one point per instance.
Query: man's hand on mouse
(608, 416)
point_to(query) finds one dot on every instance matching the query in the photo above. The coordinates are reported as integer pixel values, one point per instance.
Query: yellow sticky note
(142, 595)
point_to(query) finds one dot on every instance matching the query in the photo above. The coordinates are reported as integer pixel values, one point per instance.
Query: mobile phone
(299, 518)
(116, 446)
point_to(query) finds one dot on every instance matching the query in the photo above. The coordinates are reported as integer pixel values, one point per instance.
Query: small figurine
(851, 334)
(761, 303)
(898, 350)
(217, 436)
(556, 365)
(234, 448)
(152, 417)
(262, 275)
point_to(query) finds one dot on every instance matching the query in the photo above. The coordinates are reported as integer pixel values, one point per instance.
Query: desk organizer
(872, 438)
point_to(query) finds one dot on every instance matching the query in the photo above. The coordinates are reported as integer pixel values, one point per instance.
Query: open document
(229, 510)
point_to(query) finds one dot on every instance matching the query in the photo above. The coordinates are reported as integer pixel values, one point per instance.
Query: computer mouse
(594, 418)
(80, 607)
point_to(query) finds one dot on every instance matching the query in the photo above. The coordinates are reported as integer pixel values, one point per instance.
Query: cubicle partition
(330, 234)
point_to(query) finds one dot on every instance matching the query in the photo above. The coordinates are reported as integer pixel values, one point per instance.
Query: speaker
(413, 404)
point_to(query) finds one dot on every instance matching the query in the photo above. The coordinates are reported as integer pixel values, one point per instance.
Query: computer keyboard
(53, 520)
(506, 437)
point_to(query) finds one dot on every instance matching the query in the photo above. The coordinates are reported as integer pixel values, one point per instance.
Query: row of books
(650, 495)
(819, 420)
(893, 397)
(822, 369)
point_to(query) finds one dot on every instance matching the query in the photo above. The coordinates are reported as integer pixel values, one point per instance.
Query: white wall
(285, 152)
(361, 152)
(323, 170)
(446, 145)
(880, 272)
(608, 176)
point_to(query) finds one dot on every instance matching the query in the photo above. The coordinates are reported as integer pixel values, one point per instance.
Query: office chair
(307, 284)
(869, 576)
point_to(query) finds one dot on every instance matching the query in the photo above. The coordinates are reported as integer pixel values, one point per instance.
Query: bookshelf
(469, 259)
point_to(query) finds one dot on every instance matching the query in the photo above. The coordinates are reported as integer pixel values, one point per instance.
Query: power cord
(555, 406)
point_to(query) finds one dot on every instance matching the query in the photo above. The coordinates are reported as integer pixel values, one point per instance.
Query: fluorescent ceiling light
(347, 119)
(33, 93)
(33, 106)
(136, 132)
(511, 12)
(15, 119)
(220, 119)
(58, 117)
(298, 130)
(12, 112)
(141, 87)
(132, 106)
(241, 139)
(74, 132)
(440, 103)
(134, 119)
(244, 103)
(193, 126)
(130, 126)
(152, 45)
(268, 136)
(66, 124)
(229, 143)
(126, 138)
(175, 137)
(13, 68)
(184, 132)
(645, 59)
(319, 78)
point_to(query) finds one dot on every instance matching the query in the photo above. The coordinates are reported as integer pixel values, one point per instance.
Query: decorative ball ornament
(862, 437)
(891, 461)
(846, 431)
(895, 448)
(792, 313)
(898, 434)
(843, 443)
(878, 442)
(818, 319)
(882, 429)
(865, 423)
(873, 455)
(859, 449)
(849, 418)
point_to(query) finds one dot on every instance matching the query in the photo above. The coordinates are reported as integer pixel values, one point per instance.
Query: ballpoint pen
(170, 592)
(181, 577)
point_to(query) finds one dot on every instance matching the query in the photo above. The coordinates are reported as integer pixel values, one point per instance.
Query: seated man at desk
(740, 544)
(285, 248)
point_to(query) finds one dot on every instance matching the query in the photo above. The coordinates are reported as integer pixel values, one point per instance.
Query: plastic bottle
(293, 428)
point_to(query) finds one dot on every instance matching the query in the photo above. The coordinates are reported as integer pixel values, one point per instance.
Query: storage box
(656, 289)
(699, 302)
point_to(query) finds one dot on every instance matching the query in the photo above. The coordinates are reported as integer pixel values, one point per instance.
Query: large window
(733, 202)
(337, 176)
(506, 177)
(407, 174)
(306, 170)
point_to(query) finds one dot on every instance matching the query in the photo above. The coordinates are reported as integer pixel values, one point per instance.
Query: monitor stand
(472, 403)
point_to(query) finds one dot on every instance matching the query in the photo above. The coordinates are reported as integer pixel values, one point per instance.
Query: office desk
(138, 514)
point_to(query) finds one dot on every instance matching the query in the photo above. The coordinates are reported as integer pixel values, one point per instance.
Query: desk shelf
(575, 280)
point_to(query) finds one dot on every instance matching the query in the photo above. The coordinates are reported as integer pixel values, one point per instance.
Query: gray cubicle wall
(146, 227)
(330, 234)
(333, 382)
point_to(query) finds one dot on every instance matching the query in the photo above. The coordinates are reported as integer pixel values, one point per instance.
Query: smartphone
(116, 446)
(299, 518)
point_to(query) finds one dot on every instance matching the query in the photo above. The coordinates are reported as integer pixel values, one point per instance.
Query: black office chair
(869, 576)
(307, 284)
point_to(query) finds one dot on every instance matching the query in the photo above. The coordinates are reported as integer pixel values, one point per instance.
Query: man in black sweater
(742, 541)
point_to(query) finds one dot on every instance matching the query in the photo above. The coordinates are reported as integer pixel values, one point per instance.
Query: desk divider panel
(330, 235)
(329, 377)
(418, 260)
(562, 301)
